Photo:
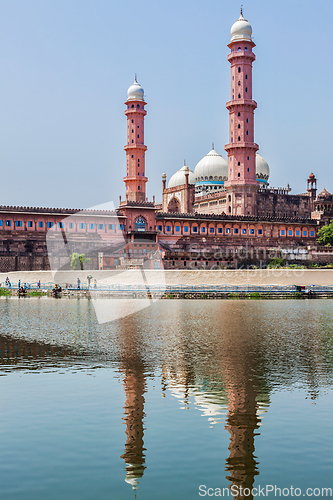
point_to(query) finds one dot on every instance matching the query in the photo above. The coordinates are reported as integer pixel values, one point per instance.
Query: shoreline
(227, 277)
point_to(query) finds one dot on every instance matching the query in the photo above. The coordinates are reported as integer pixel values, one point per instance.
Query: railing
(165, 289)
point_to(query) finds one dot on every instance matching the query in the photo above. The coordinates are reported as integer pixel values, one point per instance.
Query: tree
(77, 261)
(325, 234)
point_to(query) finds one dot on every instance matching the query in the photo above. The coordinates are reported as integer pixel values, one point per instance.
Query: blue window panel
(211, 230)
(203, 229)
(71, 225)
(100, 226)
(18, 223)
(251, 231)
(111, 226)
(236, 231)
(219, 230)
(82, 225)
(195, 229)
(305, 233)
(159, 228)
(177, 229)
(50, 224)
(297, 233)
(91, 226)
(40, 223)
(259, 231)
(61, 225)
(168, 228)
(1, 222)
(244, 231)
(290, 232)
(312, 233)
(186, 229)
(120, 227)
(8, 223)
(282, 232)
(228, 230)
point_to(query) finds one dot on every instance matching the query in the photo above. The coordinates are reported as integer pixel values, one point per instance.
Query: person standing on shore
(19, 284)
(78, 283)
(38, 284)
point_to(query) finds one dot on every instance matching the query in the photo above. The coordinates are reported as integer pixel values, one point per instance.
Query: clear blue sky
(66, 66)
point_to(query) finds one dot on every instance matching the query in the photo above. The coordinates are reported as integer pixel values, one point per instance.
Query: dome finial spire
(212, 145)
(135, 78)
(241, 10)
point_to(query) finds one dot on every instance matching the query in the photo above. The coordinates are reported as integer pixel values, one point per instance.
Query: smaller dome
(262, 169)
(178, 179)
(135, 92)
(241, 30)
(325, 195)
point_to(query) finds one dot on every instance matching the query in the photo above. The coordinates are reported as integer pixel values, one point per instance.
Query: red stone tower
(135, 180)
(242, 185)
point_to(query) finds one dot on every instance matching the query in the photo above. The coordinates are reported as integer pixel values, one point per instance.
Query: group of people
(25, 286)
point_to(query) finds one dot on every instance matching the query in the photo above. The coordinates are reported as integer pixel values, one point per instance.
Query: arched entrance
(174, 205)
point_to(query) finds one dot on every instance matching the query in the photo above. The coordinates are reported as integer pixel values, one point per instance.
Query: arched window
(140, 224)
(239, 163)
(229, 198)
(245, 89)
(239, 83)
(239, 96)
(245, 77)
(139, 188)
(239, 48)
(132, 106)
(238, 138)
(239, 70)
(238, 114)
(239, 125)
(138, 105)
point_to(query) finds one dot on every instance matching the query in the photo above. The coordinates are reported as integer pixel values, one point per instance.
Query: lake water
(168, 402)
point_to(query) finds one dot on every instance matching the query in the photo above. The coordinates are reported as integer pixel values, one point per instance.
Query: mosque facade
(207, 216)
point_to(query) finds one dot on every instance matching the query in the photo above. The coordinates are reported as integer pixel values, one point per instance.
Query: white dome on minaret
(241, 29)
(135, 92)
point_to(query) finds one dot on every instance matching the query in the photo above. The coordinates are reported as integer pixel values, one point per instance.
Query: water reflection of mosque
(229, 379)
(227, 375)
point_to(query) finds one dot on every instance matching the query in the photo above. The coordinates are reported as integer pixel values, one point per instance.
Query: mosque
(208, 217)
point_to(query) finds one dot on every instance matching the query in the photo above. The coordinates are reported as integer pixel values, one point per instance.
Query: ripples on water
(222, 361)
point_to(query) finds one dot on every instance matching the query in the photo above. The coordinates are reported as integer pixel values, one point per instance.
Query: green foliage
(296, 266)
(4, 292)
(254, 295)
(325, 234)
(35, 293)
(233, 296)
(77, 261)
(276, 263)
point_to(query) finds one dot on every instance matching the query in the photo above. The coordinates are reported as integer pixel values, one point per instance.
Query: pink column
(241, 148)
(135, 179)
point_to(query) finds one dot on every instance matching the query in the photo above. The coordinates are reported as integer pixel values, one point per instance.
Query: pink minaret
(135, 179)
(242, 185)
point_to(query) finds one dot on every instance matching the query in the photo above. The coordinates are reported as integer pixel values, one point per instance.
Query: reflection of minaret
(134, 370)
(242, 421)
(135, 386)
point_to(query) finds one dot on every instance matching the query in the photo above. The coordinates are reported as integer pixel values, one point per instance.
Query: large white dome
(135, 92)
(178, 179)
(262, 169)
(241, 30)
(212, 167)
